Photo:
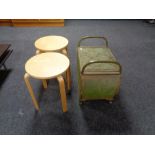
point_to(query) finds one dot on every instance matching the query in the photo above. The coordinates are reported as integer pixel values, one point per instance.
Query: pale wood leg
(68, 72)
(64, 51)
(37, 52)
(62, 93)
(26, 78)
(68, 77)
(43, 81)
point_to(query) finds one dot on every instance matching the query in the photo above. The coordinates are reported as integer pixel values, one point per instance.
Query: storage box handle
(88, 37)
(93, 62)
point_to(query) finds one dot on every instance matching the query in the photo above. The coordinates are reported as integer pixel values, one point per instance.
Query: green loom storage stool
(99, 72)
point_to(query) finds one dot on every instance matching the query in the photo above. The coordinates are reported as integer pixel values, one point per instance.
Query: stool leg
(64, 51)
(43, 81)
(37, 52)
(68, 72)
(26, 78)
(62, 93)
(68, 77)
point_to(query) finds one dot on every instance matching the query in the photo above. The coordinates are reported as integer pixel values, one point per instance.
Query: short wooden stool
(54, 44)
(47, 66)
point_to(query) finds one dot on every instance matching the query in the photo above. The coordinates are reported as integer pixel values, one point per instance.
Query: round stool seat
(51, 43)
(47, 65)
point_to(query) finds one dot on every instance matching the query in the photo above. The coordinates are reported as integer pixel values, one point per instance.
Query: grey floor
(133, 112)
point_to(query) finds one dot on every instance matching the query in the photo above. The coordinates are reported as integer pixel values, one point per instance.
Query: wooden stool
(54, 44)
(46, 66)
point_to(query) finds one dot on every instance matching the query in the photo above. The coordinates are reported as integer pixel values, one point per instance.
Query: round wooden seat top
(51, 43)
(47, 65)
